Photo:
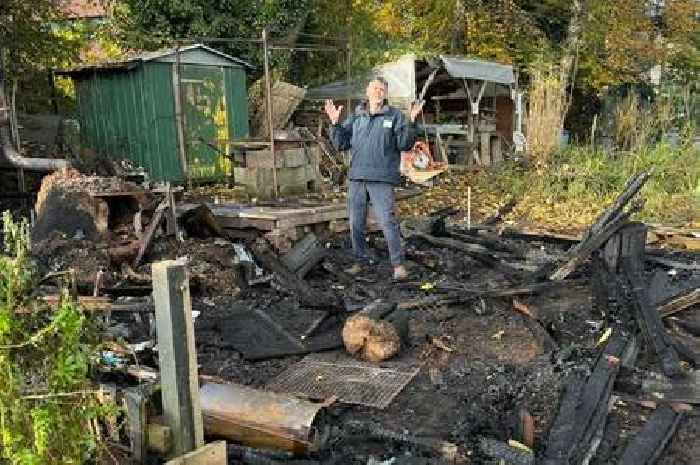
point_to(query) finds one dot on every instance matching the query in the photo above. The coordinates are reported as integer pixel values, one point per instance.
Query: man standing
(376, 134)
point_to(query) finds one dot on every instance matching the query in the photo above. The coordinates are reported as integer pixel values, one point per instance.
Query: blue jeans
(381, 195)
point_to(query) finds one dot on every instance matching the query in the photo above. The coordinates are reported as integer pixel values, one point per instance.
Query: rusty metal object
(257, 418)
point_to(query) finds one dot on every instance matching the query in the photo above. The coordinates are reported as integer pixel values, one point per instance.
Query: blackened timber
(564, 424)
(650, 323)
(150, 231)
(307, 295)
(584, 409)
(584, 249)
(647, 445)
(680, 302)
(634, 184)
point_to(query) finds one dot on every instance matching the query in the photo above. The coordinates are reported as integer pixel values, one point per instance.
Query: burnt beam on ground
(575, 432)
(649, 320)
(647, 445)
(307, 295)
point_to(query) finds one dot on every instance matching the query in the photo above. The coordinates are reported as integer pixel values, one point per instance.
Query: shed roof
(401, 75)
(465, 68)
(190, 54)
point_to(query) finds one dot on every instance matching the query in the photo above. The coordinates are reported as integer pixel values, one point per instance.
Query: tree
(151, 24)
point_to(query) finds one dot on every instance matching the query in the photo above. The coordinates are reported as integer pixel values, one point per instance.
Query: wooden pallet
(283, 226)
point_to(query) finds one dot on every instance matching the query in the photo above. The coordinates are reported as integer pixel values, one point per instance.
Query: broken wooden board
(655, 386)
(307, 295)
(150, 231)
(209, 454)
(259, 337)
(649, 321)
(679, 303)
(686, 238)
(649, 443)
(584, 408)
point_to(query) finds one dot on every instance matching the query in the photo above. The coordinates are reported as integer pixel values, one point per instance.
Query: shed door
(206, 128)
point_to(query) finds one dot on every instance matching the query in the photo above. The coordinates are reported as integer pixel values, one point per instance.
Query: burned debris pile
(239, 322)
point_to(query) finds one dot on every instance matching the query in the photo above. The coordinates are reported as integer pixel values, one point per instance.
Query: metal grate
(350, 382)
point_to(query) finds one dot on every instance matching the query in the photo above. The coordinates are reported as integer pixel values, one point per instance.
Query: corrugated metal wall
(131, 115)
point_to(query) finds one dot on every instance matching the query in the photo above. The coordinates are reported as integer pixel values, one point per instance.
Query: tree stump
(376, 332)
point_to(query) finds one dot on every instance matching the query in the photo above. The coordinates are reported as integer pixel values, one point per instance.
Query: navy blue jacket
(376, 142)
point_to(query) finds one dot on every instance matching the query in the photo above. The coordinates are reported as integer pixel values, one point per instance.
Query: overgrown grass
(581, 181)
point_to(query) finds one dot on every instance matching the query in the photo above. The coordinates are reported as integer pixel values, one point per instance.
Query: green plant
(47, 407)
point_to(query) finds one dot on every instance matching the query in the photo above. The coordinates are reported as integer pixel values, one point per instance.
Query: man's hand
(332, 111)
(414, 111)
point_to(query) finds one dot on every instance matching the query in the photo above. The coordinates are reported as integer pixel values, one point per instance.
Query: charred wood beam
(649, 443)
(306, 294)
(373, 430)
(576, 431)
(150, 232)
(488, 257)
(649, 321)
(632, 187)
(580, 253)
(671, 263)
(680, 302)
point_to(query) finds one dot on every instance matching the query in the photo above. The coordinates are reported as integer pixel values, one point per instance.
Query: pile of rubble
(504, 348)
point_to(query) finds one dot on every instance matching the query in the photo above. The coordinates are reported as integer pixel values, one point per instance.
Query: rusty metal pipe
(257, 418)
(8, 152)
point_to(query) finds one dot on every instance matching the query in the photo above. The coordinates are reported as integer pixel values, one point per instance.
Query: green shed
(131, 110)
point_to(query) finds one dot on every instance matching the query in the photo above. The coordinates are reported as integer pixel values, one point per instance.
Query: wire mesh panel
(350, 382)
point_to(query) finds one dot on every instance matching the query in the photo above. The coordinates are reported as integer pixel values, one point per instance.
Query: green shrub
(47, 407)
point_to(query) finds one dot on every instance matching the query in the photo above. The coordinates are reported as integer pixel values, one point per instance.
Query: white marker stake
(469, 208)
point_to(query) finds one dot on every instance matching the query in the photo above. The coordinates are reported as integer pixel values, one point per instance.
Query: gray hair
(381, 79)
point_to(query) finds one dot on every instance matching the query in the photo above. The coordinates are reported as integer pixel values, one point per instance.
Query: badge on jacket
(388, 123)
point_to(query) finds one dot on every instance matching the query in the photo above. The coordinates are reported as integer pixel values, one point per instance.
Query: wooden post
(179, 117)
(268, 100)
(628, 243)
(177, 355)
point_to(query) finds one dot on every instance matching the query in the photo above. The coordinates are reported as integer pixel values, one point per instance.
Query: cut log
(376, 332)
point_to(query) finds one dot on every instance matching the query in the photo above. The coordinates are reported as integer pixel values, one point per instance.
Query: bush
(47, 409)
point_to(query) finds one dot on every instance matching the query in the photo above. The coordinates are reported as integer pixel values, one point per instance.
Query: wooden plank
(150, 231)
(650, 323)
(177, 355)
(672, 263)
(679, 303)
(210, 454)
(307, 295)
(647, 445)
(580, 253)
(136, 420)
